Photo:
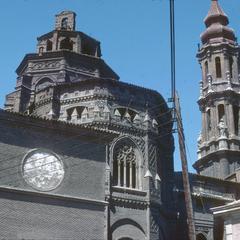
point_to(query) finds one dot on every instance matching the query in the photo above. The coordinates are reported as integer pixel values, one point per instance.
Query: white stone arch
(128, 141)
(127, 229)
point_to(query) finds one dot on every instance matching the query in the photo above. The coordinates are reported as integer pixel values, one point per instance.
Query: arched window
(64, 23)
(66, 44)
(40, 51)
(221, 112)
(125, 165)
(218, 67)
(206, 70)
(200, 236)
(49, 45)
(236, 119)
(231, 66)
(209, 125)
(86, 49)
(43, 83)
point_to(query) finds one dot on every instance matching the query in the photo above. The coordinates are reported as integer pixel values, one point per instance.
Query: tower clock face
(43, 171)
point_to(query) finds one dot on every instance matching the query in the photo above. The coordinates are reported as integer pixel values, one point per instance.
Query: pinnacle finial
(216, 22)
(216, 15)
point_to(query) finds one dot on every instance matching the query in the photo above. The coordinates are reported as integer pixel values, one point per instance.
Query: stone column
(131, 175)
(125, 173)
(55, 41)
(204, 130)
(224, 167)
(215, 122)
(230, 119)
(78, 44)
(119, 173)
(225, 65)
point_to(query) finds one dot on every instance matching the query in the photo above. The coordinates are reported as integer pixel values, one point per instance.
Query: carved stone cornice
(43, 102)
(87, 98)
(129, 202)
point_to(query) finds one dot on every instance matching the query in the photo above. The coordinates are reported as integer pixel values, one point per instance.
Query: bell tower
(65, 21)
(219, 101)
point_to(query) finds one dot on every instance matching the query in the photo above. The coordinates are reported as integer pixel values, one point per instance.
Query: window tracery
(125, 166)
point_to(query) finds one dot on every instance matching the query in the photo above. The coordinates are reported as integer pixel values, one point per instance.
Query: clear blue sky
(134, 35)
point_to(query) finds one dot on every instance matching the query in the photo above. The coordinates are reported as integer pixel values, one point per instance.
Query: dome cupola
(216, 22)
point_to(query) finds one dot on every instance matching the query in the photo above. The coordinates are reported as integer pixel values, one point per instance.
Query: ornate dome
(216, 22)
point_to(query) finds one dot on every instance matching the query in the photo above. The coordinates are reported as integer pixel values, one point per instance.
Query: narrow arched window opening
(231, 67)
(133, 175)
(236, 119)
(69, 113)
(221, 113)
(79, 111)
(206, 70)
(64, 23)
(125, 167)
(49, 45)
(66, 44)
(115, 173)
(209, 125)
(218, 67)
(40, 51)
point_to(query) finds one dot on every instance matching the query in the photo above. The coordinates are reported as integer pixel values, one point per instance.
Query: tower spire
(219, 100)
(216, 22)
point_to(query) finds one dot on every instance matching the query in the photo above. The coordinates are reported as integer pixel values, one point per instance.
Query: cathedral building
(87, 156)
(83, 154)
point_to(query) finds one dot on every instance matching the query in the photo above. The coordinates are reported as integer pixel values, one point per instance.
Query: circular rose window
(43, 170)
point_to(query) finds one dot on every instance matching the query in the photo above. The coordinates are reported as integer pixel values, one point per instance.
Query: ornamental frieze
(45, 65)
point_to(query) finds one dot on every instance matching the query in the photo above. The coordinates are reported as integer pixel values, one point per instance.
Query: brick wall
(40, 218)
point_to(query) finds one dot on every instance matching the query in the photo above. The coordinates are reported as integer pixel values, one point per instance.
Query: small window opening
(209, 125)
(66, 44)
(40, 51)
(133, 175)
(206, 70)
(86, 49)
(127, 174)
(236, 118)
(79, 111)
(231, 67)
(69, 113)
(49, 45)
(121, 174)
(218, 67)
(124, 111)
(64, 24)
(221, 113)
